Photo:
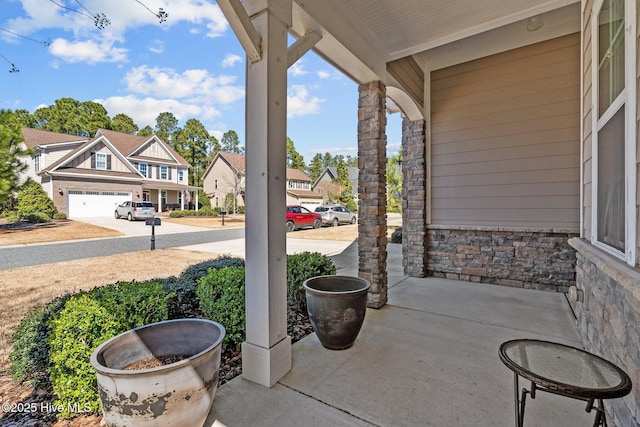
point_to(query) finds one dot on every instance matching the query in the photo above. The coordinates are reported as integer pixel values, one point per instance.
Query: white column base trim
(266, 366)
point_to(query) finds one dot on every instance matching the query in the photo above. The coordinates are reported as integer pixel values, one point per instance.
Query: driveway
(139, 228)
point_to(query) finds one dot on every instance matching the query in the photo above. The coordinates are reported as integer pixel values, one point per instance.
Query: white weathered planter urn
(177, 394)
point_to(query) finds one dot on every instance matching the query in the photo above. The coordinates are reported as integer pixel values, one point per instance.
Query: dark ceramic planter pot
(177, 394)
(336, 306)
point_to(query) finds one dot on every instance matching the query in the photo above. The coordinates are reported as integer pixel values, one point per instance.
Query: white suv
(335, 215)
(135, 210)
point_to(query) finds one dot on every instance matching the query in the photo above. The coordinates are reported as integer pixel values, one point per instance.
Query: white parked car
(135, 210)
(335, 215)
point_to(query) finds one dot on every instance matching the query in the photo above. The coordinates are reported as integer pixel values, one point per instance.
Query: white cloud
(87, 51)
(157, 47)
(324, 74)
(297, 69)
(144, 111)
(230, 60)
(88, 44)
(196, 83)
(299, 103)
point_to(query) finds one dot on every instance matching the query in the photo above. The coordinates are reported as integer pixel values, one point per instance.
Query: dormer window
(101, 161)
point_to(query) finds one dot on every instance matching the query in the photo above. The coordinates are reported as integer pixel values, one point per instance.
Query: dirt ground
(54, 231)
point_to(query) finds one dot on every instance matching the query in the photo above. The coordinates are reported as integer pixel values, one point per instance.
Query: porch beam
(302, 46)
(243, 28)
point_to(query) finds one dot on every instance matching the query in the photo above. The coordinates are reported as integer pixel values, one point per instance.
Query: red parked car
(300, 217)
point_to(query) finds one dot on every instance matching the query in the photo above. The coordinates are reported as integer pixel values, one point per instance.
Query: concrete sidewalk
(428, 358)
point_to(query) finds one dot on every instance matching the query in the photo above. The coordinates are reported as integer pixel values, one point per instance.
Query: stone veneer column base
(414, 194)
(517, 257)
(609, 320)
(372, 191)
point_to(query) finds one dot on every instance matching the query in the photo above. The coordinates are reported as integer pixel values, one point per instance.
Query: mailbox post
(223, 213)
(153, 222)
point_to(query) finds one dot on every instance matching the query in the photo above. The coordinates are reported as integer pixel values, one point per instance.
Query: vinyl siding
(505, 142)
(587, 113)
(83, 161)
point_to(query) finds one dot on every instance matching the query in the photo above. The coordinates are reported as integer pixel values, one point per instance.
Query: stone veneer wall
(372, 190)
(517, 257)
(609, 320)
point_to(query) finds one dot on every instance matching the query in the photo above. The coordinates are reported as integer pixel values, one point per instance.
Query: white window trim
(628, 97)
(98, 161)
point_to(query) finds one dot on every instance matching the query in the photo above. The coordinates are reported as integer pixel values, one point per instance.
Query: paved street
(36, 254)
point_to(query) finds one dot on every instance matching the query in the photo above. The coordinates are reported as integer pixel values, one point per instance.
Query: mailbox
(153, 221)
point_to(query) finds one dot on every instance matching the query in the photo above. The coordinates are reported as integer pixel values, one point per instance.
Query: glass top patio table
(563, 370)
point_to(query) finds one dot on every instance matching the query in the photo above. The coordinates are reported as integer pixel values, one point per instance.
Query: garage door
(83, 204)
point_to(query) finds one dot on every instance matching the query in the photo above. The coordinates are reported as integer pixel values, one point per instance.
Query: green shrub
(32, 198)
(184, 302)
(81, 326)
(221, 294)
(60, 215)
(396, 236)
(30, 355)
(194, 272)
(301, 267)
(204, 211)
(352, 205)
(133, 304)
(36, 217)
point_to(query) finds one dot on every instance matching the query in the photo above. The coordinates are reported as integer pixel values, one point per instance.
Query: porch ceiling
(360, 36)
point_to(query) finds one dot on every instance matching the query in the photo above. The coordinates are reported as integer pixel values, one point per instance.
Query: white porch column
(159, 200)
(197, 204)
(266, 353)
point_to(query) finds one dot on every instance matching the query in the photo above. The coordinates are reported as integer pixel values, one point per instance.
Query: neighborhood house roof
(123, 145)
(35, 137)
(238, 162)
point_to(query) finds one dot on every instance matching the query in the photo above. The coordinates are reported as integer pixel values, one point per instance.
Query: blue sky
(191, 65)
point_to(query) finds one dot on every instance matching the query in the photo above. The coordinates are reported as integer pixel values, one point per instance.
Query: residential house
(331, 174)
(520, 144)
(226, 175)
(88, 177)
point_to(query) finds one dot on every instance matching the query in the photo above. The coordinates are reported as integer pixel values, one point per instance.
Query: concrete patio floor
(428, 358)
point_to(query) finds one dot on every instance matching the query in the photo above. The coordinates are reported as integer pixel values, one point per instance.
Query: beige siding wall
(637, 134)
(587, 130)
(155, 150)
(83, 161)
(506, 138)
(221, 173)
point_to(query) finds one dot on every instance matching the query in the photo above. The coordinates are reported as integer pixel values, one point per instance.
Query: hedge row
(53, 344)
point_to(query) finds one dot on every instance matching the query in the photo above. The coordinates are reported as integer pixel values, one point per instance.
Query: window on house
(180, 176)
(101, 160)
(163, 172)
(215, 185)
(36, 162)
(614, 132)
(180, 198)
(142, 167)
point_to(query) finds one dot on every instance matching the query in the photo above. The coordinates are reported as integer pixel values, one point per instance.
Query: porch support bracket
(243, 28)
(302, 46)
